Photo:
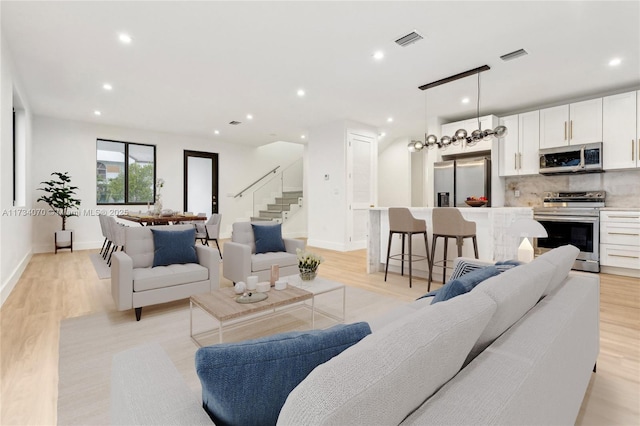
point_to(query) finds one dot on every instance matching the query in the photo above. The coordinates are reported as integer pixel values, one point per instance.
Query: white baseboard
(84, 245)
(9, 285)
(329, 245)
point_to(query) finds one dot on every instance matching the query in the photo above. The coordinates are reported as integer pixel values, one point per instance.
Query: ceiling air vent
(234, 122)
(406, 40)
(514, 55)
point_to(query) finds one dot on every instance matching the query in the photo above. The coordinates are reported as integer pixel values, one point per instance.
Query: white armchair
(241, 260)
(135, 283)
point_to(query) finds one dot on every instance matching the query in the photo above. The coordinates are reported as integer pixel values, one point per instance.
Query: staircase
(281, 208)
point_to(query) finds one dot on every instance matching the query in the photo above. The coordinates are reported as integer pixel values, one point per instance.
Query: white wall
(64, 145)
(15, 223)
(326, 209)
(394, 175)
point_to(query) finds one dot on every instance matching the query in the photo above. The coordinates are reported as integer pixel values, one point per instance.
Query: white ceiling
(194, 66)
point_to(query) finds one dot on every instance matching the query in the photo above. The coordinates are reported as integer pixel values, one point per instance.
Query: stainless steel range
(572, 218)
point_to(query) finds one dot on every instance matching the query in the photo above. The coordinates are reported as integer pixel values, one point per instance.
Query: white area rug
(100, 265)
(88, 343)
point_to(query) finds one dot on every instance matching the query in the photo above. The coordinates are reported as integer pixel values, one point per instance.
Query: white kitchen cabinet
(620, 239)
(572, 124)
(509, 147)
(620, 131)
(519, 149)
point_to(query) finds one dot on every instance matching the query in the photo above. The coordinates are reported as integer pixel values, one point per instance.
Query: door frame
(214, 177)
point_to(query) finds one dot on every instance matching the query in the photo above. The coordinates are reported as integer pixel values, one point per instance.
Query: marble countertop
(465, 209)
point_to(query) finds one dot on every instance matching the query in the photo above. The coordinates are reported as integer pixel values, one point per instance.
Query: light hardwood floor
(55, 287)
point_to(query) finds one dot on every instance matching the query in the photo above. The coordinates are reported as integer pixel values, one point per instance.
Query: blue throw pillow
(463, 284)
(504, 265)
(247, 383)
(174, 247)
(268, 238)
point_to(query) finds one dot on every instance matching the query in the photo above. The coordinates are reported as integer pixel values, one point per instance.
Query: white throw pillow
(563, 258)
(388, 374)
(515, 291)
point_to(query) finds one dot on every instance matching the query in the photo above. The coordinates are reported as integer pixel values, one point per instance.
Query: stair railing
(274, 199)
(239, 194)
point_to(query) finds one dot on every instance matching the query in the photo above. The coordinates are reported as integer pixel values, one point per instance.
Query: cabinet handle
(624, 217)
(571, 130)
(515, 161)
(520, 160)
(633, 154)
(565, 130)
(620, 255)
(621, 233)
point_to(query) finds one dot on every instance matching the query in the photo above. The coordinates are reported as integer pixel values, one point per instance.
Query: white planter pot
(63, 239)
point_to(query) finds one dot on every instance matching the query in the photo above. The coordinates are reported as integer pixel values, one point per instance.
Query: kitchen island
(491, 229)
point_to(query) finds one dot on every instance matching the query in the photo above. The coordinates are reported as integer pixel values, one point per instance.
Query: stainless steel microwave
(585, 158)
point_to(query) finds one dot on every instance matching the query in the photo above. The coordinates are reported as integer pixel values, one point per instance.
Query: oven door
(580, 231)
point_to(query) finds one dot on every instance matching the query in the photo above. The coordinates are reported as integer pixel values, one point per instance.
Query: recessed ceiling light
(465, 100)
(124, 38)
(390, 120)
(300, 92)
(249, 117)
(383, 134)
(303, 137)
(615, 62)
(378, 55)
(217, 132)
(96, 112)
(107, 86)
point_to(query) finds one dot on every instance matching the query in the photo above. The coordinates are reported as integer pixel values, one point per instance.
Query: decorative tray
(251, 297)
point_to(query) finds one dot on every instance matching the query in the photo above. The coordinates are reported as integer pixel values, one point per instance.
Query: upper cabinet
(519, 148)
(572, 124)
(449, 129)
(621, 130)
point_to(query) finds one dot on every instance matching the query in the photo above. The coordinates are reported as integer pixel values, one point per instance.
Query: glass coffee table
(319, 286)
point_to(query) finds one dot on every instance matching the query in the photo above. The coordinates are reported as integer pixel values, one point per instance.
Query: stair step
(279, 207)
(259, 219)
(292, 194)
(287, 200)
(270, 214)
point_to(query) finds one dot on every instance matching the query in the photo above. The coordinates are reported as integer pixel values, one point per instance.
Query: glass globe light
(500, 131)
(411, 146)
(445, 141)
(431, 139)
(460, 134)
(418, 145)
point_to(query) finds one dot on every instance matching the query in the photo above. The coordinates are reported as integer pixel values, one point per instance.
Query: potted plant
(308, 264)
(60, 196)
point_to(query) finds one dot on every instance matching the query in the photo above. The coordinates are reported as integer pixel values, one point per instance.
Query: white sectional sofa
(135, 283)
(519, 348)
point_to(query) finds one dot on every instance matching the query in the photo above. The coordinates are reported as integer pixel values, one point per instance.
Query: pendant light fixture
(461, 135)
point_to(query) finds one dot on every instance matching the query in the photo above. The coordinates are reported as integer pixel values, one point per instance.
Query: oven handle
(588, 219)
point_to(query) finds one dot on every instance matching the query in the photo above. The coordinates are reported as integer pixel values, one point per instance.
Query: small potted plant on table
(308, 264)
(60, 196)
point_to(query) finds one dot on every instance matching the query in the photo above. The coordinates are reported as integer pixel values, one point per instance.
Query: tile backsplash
(622, 187)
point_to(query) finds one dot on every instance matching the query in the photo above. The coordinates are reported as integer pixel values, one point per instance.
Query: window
(125, 182)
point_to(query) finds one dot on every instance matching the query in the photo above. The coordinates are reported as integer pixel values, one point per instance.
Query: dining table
(145, 219)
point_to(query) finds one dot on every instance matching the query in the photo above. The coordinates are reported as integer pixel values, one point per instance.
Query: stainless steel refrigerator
(455, 180)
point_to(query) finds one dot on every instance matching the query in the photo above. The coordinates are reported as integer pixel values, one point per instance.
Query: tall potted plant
(60, 195)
